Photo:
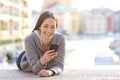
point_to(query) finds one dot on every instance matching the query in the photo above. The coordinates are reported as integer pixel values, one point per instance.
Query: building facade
(15, 18)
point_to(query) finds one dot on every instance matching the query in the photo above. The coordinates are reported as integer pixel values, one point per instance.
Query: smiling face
(48, 28)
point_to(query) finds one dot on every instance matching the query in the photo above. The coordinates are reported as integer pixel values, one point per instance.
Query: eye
(53, 27)
(45, 26)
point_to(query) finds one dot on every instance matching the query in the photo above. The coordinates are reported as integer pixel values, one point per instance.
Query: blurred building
(116, 22)
(75, 21)
(92, 22)
(15, 18)
(50, 3)
(96, 21)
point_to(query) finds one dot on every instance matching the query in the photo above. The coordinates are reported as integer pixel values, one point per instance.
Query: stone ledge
(69, 74)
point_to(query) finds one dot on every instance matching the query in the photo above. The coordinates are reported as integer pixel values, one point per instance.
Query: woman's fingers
(49, 55)
(44, 73)
(49, 51)
(53, 54)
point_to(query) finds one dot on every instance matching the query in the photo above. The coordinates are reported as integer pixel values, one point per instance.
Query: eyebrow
(48, 25)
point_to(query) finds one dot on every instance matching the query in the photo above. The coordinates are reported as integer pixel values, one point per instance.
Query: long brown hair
(43, 16)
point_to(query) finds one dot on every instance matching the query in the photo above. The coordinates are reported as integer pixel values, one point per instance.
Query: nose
(49, 30)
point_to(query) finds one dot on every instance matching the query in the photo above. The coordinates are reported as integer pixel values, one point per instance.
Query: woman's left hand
(45, 73)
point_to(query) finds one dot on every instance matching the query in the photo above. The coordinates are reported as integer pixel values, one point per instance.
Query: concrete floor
(91, 73)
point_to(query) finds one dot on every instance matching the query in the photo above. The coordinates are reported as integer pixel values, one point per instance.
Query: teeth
(46, 35)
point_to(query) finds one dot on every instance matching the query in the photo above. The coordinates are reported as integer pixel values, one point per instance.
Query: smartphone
(54, 47)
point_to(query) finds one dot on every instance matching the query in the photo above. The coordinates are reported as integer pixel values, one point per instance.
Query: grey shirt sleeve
(32, 56)
(58, 64)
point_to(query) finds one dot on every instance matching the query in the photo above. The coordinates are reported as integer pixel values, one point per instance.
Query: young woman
(37, 56)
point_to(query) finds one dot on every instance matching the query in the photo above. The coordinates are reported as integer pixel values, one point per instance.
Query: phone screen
(53, 47)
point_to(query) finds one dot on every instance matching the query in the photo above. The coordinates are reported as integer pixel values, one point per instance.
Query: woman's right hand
(47, 56)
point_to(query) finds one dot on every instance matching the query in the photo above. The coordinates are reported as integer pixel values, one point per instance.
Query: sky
(92, 4)
(36, 4)
(83, 4)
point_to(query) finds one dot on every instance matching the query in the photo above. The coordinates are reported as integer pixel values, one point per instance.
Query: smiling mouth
(48, 35)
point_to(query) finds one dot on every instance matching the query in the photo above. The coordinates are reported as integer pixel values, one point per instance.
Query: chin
(48, 37)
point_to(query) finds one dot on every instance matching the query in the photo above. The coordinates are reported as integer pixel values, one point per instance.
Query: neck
(45, 44)
(44, 41)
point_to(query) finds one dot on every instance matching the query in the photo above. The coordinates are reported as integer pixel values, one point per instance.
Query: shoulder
(31, 37)
(59, 35)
